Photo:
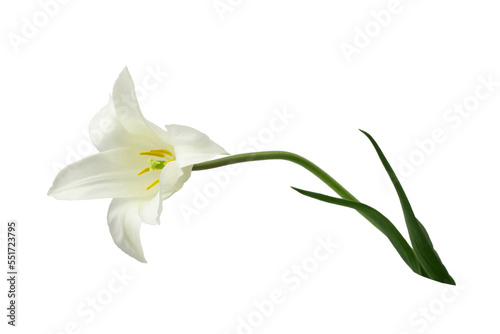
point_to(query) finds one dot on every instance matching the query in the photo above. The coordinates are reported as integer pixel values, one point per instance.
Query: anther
(166, 162)
(147, 169)
(167, 152)
(154, 154)
(153, 184)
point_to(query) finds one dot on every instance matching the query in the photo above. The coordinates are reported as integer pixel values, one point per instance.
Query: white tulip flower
(139, 165)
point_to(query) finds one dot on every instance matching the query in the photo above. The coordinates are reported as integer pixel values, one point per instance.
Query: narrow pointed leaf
(420, 240)
(381, 222)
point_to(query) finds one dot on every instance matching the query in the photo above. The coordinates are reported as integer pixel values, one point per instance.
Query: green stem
(281, 155)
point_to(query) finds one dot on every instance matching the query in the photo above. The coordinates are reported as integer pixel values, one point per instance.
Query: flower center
(156, 164)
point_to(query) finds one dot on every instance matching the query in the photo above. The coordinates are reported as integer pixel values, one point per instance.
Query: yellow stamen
(167, 152)
(147, 169)
(154, 154)
(156, 164)
(153, 184)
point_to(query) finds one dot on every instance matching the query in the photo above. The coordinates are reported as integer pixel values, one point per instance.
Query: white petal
(121, 123)
(109, 174)
(192, 146)
(171, 180)
(124, 225)
(128, 111)
(108, 133)
(150, 211)
(126, 105)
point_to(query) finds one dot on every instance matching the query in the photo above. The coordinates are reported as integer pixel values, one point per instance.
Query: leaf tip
(365, 133)
(300, 191)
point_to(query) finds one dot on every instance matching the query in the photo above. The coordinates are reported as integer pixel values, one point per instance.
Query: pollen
(166, 162)
(154, 154)
(166, 152)
(153, 184)
(147, 169)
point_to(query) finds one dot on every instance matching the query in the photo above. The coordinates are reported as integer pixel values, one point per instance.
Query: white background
(228, 75)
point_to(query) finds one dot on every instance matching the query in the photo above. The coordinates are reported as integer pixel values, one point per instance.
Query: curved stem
(279, 155)
(282, 155)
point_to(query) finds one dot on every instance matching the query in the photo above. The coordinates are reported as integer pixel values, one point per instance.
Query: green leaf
(420, 240)
(381, 222)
